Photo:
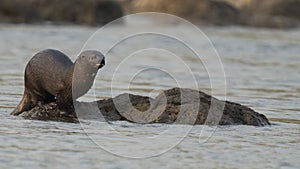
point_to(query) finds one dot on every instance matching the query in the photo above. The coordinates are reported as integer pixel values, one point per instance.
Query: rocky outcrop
(176, 106)
(274, 13)
(91, 12)
(261, 13)
(283, 8)
(200, 11)
(269, 13)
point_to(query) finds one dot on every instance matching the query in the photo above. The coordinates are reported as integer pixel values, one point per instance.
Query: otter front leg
(65, 104)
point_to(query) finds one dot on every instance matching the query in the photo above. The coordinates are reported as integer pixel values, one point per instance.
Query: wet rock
(91, 12)
(176, 106)
(48, 112)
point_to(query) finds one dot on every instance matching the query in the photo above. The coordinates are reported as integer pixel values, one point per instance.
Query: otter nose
(103, 62)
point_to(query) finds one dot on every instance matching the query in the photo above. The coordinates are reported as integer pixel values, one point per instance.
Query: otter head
(91, 60)
(85, 69)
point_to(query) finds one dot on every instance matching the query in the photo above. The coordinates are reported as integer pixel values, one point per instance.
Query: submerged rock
(177, 106)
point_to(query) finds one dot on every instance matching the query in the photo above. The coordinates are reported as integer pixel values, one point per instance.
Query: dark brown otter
(50, 76)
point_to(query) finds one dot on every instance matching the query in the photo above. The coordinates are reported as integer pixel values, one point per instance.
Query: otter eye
(82, 56)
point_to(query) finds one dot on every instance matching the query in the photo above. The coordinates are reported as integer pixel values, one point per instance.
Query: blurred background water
(262, 71)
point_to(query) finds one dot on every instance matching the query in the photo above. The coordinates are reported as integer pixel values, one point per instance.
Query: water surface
(262, 71)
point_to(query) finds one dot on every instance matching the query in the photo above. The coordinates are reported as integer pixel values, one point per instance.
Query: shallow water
(261, 67)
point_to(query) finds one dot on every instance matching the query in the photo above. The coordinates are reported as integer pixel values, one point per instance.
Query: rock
(17, 11)
(178, 106)
(238, 3)
(282, 8)
(274, 13)
(258, 13)
(91, 12)
(48, 112)
(269, 13)
(200, 11)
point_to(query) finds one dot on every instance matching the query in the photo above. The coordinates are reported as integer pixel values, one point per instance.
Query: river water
(261, 69)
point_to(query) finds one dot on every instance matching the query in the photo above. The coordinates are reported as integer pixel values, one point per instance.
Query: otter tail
(24, 105)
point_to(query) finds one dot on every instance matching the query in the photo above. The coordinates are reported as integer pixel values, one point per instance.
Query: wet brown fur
(48, 78)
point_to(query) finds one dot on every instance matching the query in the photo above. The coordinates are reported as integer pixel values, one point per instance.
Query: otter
(50, 76)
